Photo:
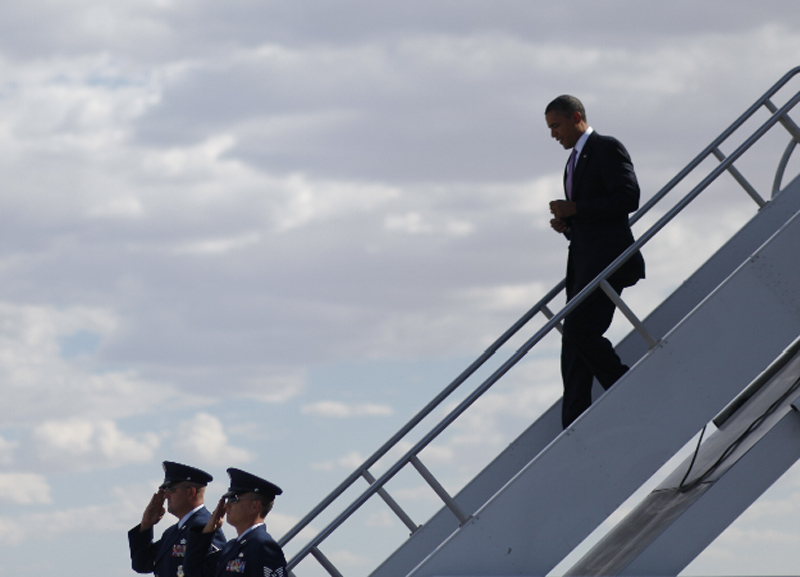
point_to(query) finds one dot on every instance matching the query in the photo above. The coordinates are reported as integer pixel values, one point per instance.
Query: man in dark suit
(254, 553)
(183, 489)
(601, 190)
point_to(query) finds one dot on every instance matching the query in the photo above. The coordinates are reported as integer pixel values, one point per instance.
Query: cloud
(341, 410)
(203, 440)
(7, 449)
(205, 202)
(81, 443)
(24, 488)
(49, 368)
(95, 519)
(350, 461)
(412, 223)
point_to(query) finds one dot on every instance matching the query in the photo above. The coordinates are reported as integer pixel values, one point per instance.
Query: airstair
(720, 352)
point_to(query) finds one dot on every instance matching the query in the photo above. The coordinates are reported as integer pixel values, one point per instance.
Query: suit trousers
(586, 354)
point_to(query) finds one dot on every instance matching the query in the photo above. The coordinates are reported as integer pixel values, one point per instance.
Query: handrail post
(739, 177)
(625, 310)
(787, 154)
(403, 516)
(549, 314)
(437, 487)
(325, 562)
(554, 321)
(787, 122)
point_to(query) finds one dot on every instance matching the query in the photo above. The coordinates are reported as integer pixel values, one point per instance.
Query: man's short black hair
(267, 502)
(566, 105)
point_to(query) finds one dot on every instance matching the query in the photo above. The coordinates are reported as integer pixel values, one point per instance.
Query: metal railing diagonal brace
(383, 494)
(532, 341)
(625, 310)
(779, 172)
(782, 116)
(439, 490)
(424, 412)
(794, 131)
(549, 314)
(739, 177)
(325, 562)
(787, 122)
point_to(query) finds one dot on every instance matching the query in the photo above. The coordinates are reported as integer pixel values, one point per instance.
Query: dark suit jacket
(605, 189)
(165, 557)
(256, 555)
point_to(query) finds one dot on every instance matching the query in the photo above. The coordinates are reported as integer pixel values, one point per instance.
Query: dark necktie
(570, 170)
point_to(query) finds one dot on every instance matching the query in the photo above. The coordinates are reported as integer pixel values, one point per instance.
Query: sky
(264, 234)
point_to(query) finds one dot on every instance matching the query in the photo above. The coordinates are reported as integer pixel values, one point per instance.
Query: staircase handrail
(778, 115)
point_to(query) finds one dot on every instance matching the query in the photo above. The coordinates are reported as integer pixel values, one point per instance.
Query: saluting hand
(154, 511)
(215, 521)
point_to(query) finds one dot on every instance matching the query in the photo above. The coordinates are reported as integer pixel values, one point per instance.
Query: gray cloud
(212, 212)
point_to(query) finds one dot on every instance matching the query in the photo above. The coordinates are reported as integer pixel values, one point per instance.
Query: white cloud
(341, 410)
(277, 387)
(350, 461)
(205, 203)
(410, 223)
(512, 298)
(219, 246)
(7, 449)
(96, 519)
(203, 439)
(42, 380)
(381, 519)
(81, 443)
(415, 223)
(24, 488)
(308, 201)
(345, 558)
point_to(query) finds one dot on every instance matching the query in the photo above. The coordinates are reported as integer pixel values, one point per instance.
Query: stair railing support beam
(393, 505)
(787, 154)
(629, 314)
(787, 122)
(739, 177)
(439, 490)
(325, 562)
(549, 314)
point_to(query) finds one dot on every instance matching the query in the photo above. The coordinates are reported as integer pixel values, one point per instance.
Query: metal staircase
(531, 506)
(757, 440)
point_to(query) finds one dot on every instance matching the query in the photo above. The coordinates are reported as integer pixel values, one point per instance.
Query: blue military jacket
(165, 557)
(256, 554)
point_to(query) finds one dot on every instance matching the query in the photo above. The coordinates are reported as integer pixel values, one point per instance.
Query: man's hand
(559, 225)
(561, 209)
(215, 521)
(154, 511)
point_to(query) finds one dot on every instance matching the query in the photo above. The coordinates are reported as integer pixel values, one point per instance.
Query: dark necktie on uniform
(570, 170)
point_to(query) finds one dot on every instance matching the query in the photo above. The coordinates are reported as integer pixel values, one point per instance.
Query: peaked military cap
(178, 473)
(243, 482)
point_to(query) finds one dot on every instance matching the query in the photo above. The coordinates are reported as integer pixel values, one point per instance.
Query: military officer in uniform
(254, 553)
(184, 491)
